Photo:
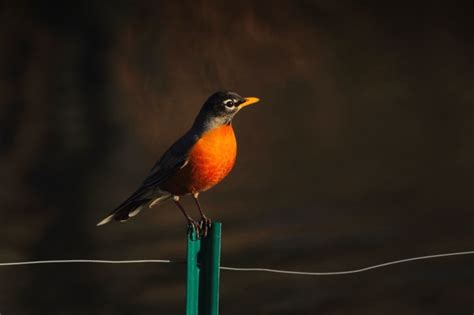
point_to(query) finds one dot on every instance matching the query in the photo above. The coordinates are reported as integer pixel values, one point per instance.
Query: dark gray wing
(174, 158)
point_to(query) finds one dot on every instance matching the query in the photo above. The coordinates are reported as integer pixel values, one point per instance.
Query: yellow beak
(249, 101)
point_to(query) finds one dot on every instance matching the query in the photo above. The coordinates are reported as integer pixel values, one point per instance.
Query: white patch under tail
(135, 212)
(159, 200)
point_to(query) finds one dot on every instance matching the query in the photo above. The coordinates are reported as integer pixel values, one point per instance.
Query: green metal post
(203, 272)
(193, 273)
(210, 259)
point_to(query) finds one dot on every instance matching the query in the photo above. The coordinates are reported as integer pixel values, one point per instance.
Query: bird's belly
(210, 160)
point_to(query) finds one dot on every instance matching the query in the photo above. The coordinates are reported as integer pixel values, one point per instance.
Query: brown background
(360, 152)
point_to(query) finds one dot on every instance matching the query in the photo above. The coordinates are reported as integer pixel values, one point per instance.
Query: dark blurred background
(360, 152)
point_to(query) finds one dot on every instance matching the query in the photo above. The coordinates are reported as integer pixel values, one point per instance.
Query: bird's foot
(204, 226)
(194, 226)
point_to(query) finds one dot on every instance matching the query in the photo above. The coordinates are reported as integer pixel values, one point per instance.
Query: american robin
(196, 162)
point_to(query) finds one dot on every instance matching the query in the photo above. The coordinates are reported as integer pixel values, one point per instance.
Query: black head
(221, 107)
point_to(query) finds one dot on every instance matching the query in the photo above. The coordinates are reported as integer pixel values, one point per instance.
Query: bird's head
(221, 107)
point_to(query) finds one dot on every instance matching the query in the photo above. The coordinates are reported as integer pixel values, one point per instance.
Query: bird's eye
(229, 103)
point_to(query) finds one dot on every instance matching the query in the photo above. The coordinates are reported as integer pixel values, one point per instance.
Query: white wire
(290, 272)
(95, 261)
(345, 272)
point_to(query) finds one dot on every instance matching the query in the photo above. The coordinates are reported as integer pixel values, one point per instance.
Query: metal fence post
(193, 273)
(203, 272)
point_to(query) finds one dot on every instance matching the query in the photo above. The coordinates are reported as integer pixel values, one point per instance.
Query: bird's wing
(175, 157)
(165, 167)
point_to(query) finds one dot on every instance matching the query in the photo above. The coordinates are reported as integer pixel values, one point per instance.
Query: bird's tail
(133, 205)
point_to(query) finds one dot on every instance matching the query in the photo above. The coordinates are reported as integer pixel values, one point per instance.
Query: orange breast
(210, 160)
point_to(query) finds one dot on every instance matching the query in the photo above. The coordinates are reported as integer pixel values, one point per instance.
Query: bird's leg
(192, 224)
(205, 223)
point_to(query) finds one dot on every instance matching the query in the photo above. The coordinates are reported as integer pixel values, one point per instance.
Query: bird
(196, 162)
